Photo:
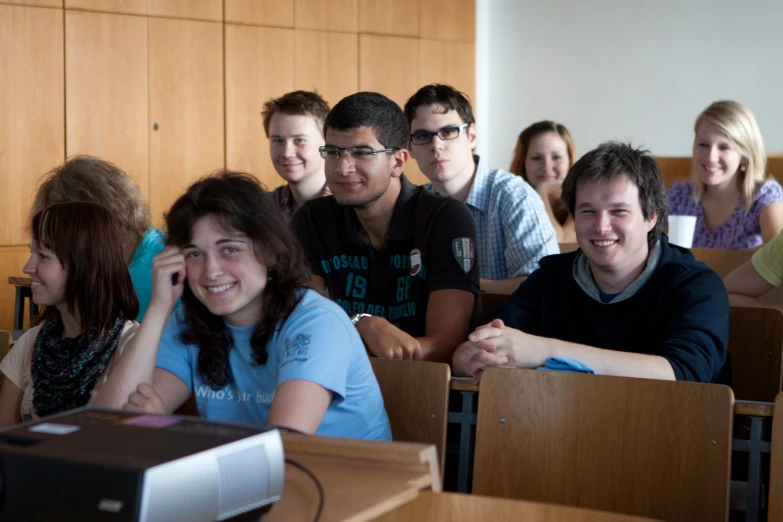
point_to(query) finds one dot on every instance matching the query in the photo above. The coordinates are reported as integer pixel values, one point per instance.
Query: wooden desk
(755, 409)
(22, 286)
(361, 479)
(456, 507)
(464, 385)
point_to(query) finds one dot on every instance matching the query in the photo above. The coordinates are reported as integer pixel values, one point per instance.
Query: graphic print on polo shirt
(389, 284)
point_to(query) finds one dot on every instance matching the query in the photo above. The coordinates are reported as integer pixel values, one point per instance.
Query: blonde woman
(735, 205)
(544, 153)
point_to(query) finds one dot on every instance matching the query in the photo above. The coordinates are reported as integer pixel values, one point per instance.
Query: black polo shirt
(429, 246)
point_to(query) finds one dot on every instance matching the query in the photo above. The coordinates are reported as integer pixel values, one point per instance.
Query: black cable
(321, 496)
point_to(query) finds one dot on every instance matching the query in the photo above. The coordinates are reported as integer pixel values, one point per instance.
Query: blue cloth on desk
(564, 364)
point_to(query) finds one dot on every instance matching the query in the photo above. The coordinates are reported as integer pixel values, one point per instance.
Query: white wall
(624, 69)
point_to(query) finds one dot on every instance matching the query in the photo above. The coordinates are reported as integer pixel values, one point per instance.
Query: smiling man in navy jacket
(627, 302)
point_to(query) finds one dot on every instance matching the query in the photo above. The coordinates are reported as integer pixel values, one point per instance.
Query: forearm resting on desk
(497, 345)
(612, 362)
(136, 364)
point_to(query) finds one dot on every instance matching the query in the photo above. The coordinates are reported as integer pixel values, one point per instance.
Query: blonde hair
(93, 180)
(738, 124)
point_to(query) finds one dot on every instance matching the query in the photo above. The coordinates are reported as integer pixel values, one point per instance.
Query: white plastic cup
(681, 229)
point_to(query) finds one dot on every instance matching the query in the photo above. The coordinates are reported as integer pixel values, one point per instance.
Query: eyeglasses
(351, 153)
(422, 137)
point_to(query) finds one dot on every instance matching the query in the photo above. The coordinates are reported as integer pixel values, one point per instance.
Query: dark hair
(86, 240)
(91, 179)
(374, 110)
(613, 159)
(240, 202)
(296, 103)
(526, 138)
(440, 94)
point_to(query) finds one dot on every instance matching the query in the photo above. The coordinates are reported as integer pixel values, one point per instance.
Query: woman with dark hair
(79, 275)
(252, 342)
(544, 153)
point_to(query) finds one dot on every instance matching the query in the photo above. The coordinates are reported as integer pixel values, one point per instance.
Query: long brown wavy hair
(239, 201)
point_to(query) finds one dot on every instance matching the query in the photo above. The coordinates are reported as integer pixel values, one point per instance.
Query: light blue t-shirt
(140, 267)
(316, 343)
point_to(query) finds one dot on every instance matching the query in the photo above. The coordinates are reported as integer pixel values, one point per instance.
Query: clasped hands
(495, 344)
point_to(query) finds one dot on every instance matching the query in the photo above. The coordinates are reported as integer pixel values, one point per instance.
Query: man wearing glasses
(512, 227)
(398, 258)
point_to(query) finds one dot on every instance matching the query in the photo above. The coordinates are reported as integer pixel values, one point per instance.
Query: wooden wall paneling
(391, 17)
(414, 174)
(259, 66)
(453, 63)
(32, 105)
(211, 10)
(326, 62)
(12, 259)
(35, 3)
(277, 13)
(105, 64)
(390, 65)
(336, 15)
(186, 103)
(452, 20)
(137, 7)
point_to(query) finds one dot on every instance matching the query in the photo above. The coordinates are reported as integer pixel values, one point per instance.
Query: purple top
(742, 229)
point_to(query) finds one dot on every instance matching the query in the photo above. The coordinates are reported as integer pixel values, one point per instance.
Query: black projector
(100, 465)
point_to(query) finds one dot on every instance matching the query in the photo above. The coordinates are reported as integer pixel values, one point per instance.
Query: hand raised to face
(168, 278)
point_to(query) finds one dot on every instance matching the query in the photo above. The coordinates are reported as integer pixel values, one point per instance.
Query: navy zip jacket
(681, 313)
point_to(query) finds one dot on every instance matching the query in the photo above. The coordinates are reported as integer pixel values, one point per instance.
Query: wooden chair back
(722, 261)
(637, 446)
(416, 397)
(679, 169)
(775, 166)
(674, 169)
(775, 513)
(756, 349)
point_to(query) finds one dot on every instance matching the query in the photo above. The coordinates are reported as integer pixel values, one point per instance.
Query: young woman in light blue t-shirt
(251, 341)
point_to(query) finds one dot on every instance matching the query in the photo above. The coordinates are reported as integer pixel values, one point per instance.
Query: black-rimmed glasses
(422, 137)
(351, 153)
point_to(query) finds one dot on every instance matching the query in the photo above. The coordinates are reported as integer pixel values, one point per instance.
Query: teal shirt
(140, 268)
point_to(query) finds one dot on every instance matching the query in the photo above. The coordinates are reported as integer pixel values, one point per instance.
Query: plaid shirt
(286, 200)
(513, 231)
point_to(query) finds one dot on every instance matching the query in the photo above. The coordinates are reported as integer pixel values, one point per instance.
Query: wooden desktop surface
(457, 507)
(361, 480)
(755, 409)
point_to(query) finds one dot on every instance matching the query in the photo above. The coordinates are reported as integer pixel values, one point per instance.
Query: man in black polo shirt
(397, 258)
